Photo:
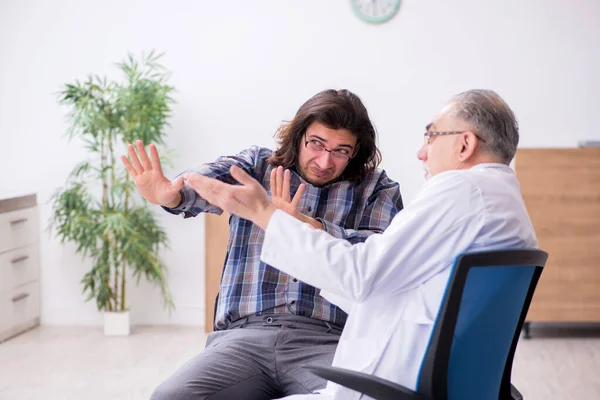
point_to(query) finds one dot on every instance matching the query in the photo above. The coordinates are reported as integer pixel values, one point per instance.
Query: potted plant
(98, 209)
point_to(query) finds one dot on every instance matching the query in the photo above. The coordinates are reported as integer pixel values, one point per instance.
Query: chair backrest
(476, 331)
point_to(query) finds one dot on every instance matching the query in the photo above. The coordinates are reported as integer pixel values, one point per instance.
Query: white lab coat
(392, 284)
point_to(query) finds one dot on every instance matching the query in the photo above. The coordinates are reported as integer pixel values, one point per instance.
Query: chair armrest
(372, 386)
(514, 393)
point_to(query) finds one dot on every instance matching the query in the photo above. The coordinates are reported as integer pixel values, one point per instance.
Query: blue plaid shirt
(349, 210)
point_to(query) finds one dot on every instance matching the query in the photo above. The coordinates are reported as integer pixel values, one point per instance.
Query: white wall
(240, 67)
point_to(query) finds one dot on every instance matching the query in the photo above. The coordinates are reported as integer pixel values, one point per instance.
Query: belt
(288, 321)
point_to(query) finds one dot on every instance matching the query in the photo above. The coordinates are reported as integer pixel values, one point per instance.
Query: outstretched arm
(445, 220)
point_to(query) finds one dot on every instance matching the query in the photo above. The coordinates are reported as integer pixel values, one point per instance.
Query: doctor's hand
(280, 195)
(148, 177)
(249, 200)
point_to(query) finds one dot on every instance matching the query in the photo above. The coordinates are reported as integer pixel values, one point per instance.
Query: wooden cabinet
(216, 239)
(561, 188)
(19, 265)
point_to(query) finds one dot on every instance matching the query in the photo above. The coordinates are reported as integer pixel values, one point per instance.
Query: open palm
(148, 176)
(280, 192)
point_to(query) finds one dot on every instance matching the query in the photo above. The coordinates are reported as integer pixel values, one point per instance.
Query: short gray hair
(491, 119)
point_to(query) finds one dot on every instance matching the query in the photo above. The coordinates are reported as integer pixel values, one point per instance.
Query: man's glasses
(429, 135)
(316, 146)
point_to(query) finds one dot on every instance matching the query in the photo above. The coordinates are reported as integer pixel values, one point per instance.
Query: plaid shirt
(348, 210)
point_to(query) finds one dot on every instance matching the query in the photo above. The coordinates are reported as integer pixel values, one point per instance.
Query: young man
(269, 323)
(393, 283)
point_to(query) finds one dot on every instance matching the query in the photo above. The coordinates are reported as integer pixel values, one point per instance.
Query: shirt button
(269, 320)
(293, 302)
(309, 208)
(295, 280)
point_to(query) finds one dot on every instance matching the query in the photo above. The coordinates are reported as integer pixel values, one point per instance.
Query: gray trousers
(256, 358)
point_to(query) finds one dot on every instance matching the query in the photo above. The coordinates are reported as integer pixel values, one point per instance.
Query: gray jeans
(256, 358)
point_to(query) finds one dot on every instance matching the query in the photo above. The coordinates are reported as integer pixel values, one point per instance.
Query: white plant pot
(116, 323)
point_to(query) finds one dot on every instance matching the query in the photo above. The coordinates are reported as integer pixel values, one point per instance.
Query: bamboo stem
(123, 287)
(116, 282)
(115, 258)
(106, 241)
(126, 211)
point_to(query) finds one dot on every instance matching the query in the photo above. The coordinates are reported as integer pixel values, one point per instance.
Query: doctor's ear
(468, 144)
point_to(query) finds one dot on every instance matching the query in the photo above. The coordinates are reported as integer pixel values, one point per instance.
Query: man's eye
(342, 151)
(316, 143)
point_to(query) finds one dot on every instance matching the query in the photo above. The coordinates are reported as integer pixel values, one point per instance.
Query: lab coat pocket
(417, 313)
(362, 354)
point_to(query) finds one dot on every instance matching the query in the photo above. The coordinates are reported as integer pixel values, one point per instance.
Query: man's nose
(324, 161)
(422, 153)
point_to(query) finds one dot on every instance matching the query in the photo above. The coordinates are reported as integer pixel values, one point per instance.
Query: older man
(392, 284)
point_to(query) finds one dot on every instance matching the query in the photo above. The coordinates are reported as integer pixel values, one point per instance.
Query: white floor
(80, 363)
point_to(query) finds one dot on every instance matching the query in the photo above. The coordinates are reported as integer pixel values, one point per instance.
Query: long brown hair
(336, 109)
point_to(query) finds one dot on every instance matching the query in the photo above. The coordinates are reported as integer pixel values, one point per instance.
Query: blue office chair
(473, 342)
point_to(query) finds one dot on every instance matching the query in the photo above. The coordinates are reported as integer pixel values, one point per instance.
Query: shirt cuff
(185, 206)
(333, 229)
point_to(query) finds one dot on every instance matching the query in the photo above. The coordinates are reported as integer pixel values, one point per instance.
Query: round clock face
(375, 11)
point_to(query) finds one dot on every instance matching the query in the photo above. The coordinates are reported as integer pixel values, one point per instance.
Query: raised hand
(280, 196)
(280, 193)
(148, 177)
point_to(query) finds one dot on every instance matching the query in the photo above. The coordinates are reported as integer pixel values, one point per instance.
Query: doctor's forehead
(443, 116)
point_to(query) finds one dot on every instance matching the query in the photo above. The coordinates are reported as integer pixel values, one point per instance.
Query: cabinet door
(561, 188)
(19, 309)
(18, 267)
(18, 228)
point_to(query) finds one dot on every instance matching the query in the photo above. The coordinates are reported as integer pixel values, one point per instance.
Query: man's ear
(468, 143)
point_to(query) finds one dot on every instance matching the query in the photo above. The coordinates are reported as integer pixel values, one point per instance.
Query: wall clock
(375, 11)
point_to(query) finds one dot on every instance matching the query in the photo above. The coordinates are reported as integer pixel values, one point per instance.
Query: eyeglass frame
(429, 135)
(306, 140)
